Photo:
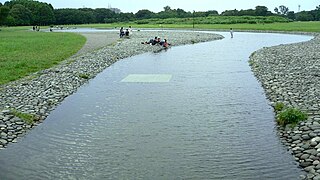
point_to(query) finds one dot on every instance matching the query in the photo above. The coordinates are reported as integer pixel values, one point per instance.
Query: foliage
(25, 52)
(279, 106)
(4, 12)
(28, 12)
(291, 15)
(304, 16)
(283, 10)
(144, 14)
(84, 76)
(291, 116)
(216, 20)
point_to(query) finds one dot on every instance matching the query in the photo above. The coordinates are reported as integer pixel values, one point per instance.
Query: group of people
(157, 41)
(126, 33)
(36, 28)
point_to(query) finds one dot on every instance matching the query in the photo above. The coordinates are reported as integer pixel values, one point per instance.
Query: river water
(205, 116)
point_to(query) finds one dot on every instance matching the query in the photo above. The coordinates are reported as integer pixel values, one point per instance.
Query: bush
(84, 76)
(278, 106)
(291, 116)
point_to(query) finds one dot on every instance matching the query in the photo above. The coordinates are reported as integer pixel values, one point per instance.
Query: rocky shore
(291, 74)
(37, 95)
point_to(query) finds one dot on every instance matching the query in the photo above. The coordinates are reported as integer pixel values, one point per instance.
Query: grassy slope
(25, 52)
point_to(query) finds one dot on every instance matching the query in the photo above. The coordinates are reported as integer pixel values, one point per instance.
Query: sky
(187, 5)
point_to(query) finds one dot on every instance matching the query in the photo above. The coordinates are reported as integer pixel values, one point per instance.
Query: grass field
(23, 52)
(292, 26)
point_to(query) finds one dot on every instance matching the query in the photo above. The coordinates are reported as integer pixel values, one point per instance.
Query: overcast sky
(187, 5)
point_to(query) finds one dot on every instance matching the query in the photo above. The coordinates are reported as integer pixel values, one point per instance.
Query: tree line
(30, 12)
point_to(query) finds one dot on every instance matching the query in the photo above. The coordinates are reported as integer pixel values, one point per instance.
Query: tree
(126, 17)
(4, 12)
(144, 14)
(304, 16)
(276, 10)
(21, 15)
(283, 10)
(230, 13)
(248, 12)
(261, 11)
(212, 13)
(43, 15)
(167, 8)
(291, 15)
(103, 14)
(181, 13)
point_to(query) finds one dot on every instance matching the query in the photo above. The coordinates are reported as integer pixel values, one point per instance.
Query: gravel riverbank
(291, 74)
(41, 92)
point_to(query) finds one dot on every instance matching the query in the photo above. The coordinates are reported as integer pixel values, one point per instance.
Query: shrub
(84, 76)
(279, 106)
(291, 116)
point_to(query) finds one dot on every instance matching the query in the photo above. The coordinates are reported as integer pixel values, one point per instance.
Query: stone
(310, 176)
(305, 137)
(304, 156)
(316, 177)
(311, 151)
(313, 143)
(3, 141)
(305, 146)
(312, 135)
(296, 137)
(316, 139)
(5, 112)
(316, 162)
(309, 168)
(20, 123)
(3, 134)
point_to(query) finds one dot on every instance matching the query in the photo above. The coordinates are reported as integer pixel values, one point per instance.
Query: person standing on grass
(231, 32)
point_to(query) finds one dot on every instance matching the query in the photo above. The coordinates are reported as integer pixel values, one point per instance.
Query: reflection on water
(211, 121)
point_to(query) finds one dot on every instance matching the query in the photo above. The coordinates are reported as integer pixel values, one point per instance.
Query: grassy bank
(23, 52)
(291, 26)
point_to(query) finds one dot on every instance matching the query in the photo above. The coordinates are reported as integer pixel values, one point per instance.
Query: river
(191, 112)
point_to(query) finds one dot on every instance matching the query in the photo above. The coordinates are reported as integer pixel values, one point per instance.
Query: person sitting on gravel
(151, 41)
(158, 41)
(165, 44)
(127, 33)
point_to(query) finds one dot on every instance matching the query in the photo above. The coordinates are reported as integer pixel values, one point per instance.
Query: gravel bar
(38, 94)
(291, 74)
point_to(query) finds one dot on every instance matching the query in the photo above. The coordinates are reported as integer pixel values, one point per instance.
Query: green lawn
(23, 52)
(292, 26)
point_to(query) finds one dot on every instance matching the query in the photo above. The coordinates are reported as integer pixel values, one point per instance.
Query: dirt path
(97, 40)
